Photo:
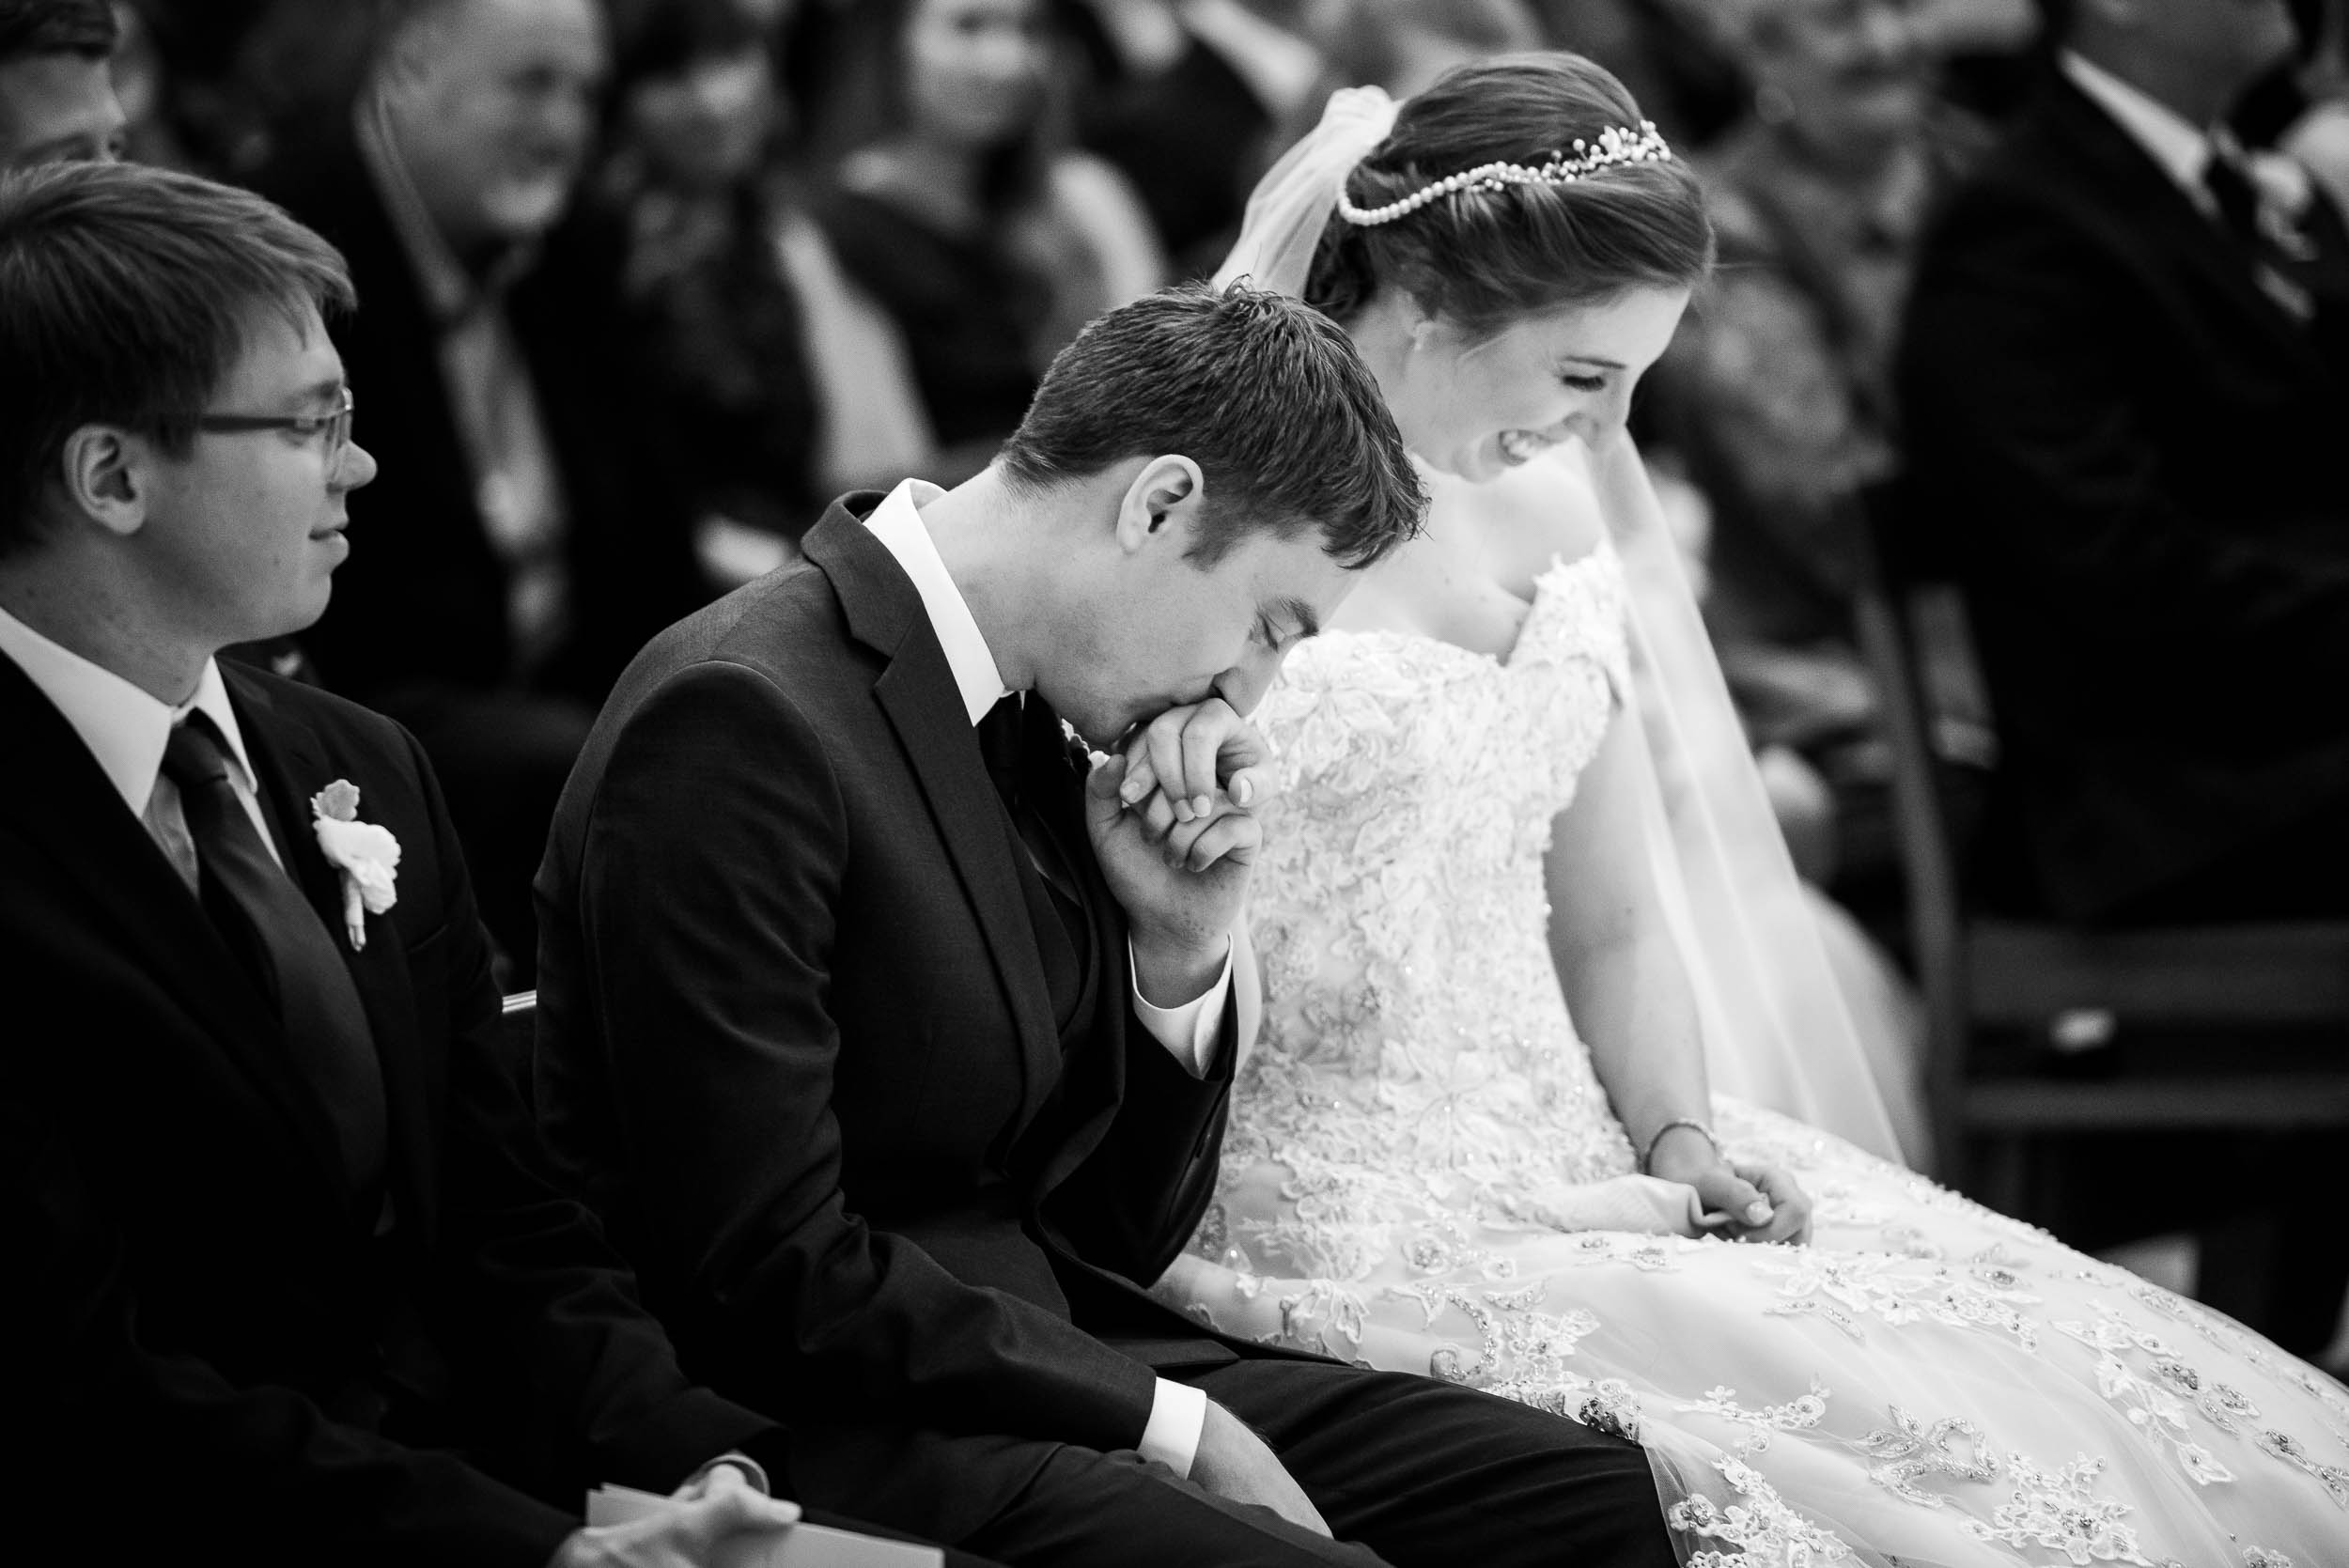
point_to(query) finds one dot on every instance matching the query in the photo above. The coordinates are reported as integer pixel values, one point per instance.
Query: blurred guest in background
(218, 82)
(2302, 105)
(526, 537)
(1777, 394)
(1404, 45)
(1671, 54)
(2125, 376)
(148, 135)
(712, 325)
(56, 100)
(960, 211)
(1214, 88)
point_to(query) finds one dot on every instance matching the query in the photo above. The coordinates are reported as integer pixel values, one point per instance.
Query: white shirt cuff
(1178, 1414)
(1188, 1031)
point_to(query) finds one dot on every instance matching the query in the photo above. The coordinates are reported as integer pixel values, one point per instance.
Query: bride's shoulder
(1530, 517)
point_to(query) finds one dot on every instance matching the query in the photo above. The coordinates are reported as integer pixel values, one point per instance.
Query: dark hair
(1264, 393)
(33, 27)
(125, 294)
(655, 40)
(2055, 20)
(867, 99)
(1482, 258)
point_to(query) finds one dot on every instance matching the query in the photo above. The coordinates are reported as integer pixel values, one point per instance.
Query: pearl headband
(1615, 146)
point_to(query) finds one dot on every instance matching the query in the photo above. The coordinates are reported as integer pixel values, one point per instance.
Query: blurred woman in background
(1776, 396)
(961, 212)
(714, 323)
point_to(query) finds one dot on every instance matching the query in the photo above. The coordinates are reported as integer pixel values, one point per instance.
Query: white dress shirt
(126, 730)
(518, 486)
(2181, 148)
(1188, 1031)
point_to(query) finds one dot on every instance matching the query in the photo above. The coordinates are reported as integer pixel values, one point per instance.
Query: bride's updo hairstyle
(1482, 258)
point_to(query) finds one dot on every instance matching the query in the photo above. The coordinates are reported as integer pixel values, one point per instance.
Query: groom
(898, 1048)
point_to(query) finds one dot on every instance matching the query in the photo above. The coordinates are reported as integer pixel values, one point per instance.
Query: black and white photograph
(1024, 784)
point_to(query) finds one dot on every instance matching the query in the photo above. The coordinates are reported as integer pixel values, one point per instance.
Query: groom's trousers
(1408, 1471)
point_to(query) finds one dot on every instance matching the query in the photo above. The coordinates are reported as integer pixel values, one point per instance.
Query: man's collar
(450, 292)
(2181, 148)
(125, 729)
(897, 523)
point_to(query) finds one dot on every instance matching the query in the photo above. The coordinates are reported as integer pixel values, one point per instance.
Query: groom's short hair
(127, 293)
(1263, 391)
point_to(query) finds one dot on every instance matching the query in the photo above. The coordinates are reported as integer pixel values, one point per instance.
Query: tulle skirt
(1925, 1383)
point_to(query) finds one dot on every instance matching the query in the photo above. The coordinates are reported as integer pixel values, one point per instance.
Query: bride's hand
(1178, 764)
(1742, 1202)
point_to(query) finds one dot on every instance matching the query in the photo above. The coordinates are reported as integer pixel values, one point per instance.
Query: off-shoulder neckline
(1544, 593)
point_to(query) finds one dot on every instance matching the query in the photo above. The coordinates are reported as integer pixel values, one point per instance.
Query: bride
(1475, 1138)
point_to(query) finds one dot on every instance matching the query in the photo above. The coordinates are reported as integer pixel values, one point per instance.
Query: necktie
(2238, 199)
(2282, 258)
(998, 742)
(1003, 740)
(282, 938)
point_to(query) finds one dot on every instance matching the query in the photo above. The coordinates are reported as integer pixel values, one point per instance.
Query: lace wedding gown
(1422, 1158)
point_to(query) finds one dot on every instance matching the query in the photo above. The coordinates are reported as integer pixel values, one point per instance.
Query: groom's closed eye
(1296, 616)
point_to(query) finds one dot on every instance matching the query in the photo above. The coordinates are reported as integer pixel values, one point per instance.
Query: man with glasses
(57, 98)
(283, 1276)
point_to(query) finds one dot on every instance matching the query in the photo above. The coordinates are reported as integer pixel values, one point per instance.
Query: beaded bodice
(1416, 1055)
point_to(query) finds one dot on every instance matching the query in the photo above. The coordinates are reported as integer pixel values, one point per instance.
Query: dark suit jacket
(203, 1328)
(2134, 459)
(424, 595)
(796, 1034)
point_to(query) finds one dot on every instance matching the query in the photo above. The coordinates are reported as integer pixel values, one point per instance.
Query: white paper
(804, 1546)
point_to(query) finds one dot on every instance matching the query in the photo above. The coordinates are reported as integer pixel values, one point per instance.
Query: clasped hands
(714, 1508)
(1172, 818)
(1738, 1199)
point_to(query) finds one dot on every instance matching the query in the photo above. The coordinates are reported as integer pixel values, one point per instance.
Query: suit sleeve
(710, 869)
(2022, 423)
(105, 1413)
(541, 1287)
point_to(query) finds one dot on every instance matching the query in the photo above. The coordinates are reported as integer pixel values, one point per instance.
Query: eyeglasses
(335, 426)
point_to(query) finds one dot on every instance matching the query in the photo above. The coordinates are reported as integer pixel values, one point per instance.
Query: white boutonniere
(366, 855)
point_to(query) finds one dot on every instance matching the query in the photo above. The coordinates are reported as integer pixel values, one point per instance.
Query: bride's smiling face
(1478, 405)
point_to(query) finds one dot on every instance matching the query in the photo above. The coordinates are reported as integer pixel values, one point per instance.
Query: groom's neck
(989, 536)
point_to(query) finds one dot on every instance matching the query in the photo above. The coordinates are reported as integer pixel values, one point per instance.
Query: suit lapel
(60, 798)
(2162, 220)
(918, 695)
(291, 765)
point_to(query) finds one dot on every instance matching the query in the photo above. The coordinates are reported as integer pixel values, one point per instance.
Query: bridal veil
(1777, 1029)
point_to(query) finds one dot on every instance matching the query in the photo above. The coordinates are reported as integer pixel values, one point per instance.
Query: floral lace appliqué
(1763, 1530)
(1796, 1415)
(2058, 1510)
(1910, 1452)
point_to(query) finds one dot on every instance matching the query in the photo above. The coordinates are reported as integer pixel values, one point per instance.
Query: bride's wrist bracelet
(1647, 1156)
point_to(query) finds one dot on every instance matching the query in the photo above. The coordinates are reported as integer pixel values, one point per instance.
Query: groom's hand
(1180, 872)
(1182, 891)
(1233, 1462)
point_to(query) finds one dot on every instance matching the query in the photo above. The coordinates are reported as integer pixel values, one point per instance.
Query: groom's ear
(1161, 504)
